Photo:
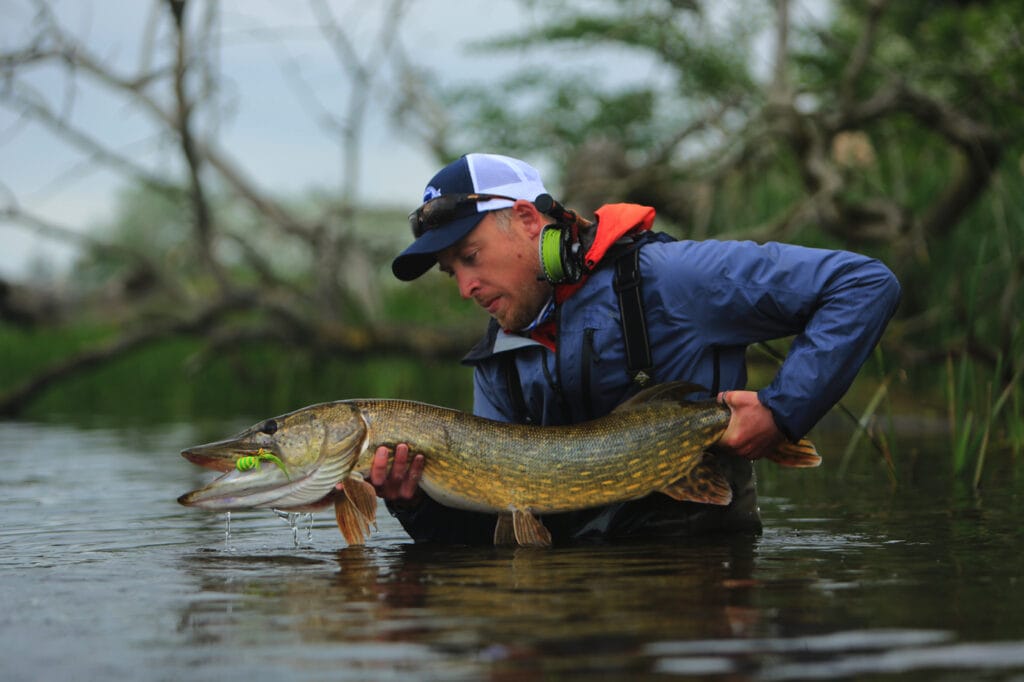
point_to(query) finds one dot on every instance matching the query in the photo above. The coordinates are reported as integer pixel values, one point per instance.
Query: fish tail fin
(355, 510)
(704, 483)
(800, 454)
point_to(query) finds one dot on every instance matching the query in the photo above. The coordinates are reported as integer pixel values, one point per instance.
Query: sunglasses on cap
(444, 209)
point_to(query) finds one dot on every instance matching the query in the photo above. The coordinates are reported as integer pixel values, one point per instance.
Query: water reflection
(104, 576)
(585, 607)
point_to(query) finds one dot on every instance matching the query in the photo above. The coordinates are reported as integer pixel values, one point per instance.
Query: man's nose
(467, 284)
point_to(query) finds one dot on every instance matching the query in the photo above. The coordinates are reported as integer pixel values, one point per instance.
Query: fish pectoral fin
(528, 529)
(704, 483)
(504, 531)
(362, 495)
(800, 454)
(355, 510)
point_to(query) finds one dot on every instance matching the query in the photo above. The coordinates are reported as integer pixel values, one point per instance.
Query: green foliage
(976, 274)
(535, 114)
(914, 43)
(985, 37)
(706, 60)
(148, 223)
(167, 382)
(27, 350)
(446, 309)
(552, 111)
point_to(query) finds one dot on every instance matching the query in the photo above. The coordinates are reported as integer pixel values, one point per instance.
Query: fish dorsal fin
(355, 509)
(704, 483)
(800, 454)
(529, 531)
(672, 391)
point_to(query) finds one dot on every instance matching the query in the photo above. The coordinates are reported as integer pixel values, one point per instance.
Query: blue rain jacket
(704, 303)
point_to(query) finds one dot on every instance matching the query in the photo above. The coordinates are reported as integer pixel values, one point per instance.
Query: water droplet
(292, 519)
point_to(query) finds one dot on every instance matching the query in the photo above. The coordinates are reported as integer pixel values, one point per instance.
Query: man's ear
(533, 221)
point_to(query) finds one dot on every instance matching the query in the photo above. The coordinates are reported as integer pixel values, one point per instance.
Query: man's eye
(470, 258)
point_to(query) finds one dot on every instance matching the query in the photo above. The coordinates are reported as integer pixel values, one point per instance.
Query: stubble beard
(529, 301)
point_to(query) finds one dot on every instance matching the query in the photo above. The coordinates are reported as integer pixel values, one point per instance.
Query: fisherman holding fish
(585, 314)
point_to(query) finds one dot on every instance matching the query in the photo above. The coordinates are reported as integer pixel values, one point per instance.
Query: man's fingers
(400, 465)
(396, 477)
(379, 467)
(412, 480)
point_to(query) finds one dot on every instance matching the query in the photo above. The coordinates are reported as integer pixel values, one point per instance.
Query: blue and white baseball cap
(471, 174)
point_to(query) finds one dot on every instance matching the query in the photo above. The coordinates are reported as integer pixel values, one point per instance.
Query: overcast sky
(269, 130)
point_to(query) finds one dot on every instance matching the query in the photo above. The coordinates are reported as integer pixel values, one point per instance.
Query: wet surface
(104, 576)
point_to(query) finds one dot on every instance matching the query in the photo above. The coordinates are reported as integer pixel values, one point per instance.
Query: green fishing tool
(250, 462)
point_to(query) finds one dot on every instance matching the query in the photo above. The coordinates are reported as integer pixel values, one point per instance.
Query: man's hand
(752, 432)
(401, 482)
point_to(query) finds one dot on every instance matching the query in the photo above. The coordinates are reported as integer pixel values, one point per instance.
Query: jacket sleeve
(836, 304)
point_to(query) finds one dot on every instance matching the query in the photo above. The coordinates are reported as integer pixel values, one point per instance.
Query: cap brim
(422, 253)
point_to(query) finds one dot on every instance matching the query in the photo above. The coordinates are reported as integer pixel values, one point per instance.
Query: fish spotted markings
(489, 465)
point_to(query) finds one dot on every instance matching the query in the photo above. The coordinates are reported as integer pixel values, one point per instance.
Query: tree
(197, 251)
(881, 128)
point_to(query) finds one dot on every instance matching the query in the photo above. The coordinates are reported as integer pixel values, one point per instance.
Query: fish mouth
(267, 484)
(221, 456)
(256, 490)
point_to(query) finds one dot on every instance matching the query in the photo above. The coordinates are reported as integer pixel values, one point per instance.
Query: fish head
(291, 462)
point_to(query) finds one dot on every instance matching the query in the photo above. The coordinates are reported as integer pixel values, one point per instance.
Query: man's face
(499, 269)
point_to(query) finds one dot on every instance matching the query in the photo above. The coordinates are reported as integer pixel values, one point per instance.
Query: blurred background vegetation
(893, 129)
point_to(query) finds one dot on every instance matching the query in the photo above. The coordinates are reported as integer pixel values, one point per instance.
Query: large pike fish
(658, 441)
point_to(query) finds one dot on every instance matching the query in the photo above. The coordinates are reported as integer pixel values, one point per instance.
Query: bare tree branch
(861, 53)
(203, 222)
(780, 91)
(174, 84)
(96, 152)
(979, 145)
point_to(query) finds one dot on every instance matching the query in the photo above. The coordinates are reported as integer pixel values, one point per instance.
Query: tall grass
(977, 414)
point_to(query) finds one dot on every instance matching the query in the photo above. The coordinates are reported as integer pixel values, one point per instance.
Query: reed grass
(978, 417)
(866, 426)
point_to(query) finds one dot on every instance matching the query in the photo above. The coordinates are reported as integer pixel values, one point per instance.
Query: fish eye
(269, 427)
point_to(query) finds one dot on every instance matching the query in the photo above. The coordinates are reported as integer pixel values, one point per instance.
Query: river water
(104, 577)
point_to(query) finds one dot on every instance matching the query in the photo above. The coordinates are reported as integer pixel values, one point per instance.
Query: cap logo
(430, 192)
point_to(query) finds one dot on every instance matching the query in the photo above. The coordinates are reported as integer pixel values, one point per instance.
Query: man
(567, 352)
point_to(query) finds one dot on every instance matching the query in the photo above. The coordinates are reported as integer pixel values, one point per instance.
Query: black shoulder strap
(639, 363)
